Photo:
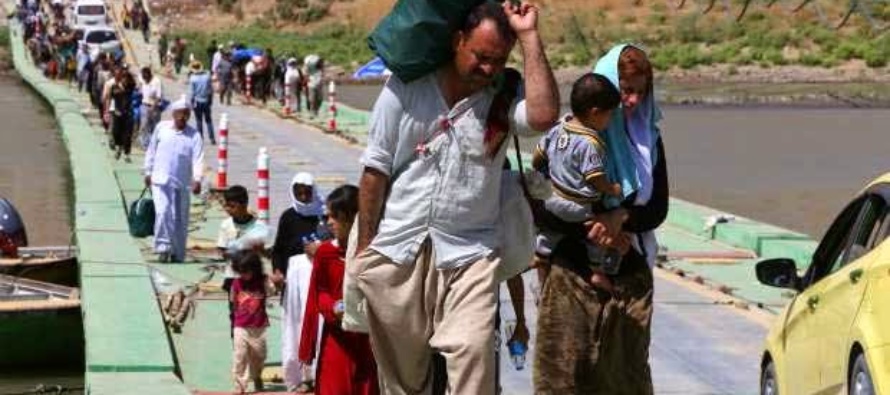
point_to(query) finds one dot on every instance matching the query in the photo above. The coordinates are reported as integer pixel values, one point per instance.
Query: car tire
(769, 384)
(860, 382)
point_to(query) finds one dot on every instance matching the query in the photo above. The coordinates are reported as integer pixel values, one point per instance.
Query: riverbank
(5, 57)
(133, 357)
(772, 56)
(35, 177)
(767, 60)
(34, 168)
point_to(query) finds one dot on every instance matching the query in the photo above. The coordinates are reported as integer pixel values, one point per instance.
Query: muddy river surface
(790, 166)
(34, 171)
(35, 176)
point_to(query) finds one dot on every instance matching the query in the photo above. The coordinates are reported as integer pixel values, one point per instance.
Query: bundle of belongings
(415, 38)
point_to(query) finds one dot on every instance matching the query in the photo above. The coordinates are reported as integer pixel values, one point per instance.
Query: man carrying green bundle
(428, 240)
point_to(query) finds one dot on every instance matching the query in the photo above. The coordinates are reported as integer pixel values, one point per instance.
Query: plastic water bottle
(339, 307)
(517, 354)
(611, 261)
(205, 190)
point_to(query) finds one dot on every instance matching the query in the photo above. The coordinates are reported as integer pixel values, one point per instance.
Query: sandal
(306, 387)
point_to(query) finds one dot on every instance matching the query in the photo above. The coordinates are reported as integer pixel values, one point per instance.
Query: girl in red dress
(345, 362)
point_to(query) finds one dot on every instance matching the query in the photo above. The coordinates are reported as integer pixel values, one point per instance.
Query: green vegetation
(339, 44)
(692, 40)
(302, 11)
(4, 37)
(577, 35)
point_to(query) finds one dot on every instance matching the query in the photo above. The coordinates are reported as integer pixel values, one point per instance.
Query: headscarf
(633, 153)
(315, 208)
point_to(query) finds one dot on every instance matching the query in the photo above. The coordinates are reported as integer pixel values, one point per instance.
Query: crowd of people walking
(391, 286)
(425, 265)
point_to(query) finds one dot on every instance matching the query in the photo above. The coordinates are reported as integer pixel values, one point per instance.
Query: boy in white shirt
(241, 231)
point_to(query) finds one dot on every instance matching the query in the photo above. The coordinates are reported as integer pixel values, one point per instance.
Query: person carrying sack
(429, 244)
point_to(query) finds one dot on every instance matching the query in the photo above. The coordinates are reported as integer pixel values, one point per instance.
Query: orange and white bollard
(262, 172)
(332, 107)
(222, 154)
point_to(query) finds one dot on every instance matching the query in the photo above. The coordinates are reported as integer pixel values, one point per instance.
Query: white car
(101, 39)
(90, 13)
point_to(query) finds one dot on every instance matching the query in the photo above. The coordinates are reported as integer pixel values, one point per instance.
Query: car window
(869, 223)
(879, 233)
(100, 36)
(830, 251)
(91, 10)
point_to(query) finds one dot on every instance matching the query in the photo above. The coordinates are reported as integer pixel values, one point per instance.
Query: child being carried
(574, 156)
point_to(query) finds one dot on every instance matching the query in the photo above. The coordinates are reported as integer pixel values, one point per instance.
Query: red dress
(346, 364)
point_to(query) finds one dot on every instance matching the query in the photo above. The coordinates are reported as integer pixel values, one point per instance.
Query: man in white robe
(214, 62)
(293, 80)
(174, 164)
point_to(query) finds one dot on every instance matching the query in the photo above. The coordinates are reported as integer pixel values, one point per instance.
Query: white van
(90, 12)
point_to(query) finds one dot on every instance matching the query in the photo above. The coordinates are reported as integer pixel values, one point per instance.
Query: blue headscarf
(631, 142)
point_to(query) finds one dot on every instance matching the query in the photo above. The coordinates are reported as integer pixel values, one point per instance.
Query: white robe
(299, 272)
(214, 64)
(292, 83)
(174, 159)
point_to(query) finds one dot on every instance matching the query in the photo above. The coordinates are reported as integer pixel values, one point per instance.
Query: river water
(35, 176)
(791, 166)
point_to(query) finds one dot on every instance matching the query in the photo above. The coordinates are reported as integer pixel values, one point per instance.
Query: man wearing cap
(174, 164)
(201, 98)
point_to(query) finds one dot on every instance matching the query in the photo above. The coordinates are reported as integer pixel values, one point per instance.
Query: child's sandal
(306, 387)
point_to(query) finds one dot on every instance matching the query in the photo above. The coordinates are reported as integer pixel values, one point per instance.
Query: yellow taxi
(834, 336)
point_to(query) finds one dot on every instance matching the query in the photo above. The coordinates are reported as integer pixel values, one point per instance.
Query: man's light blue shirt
(444, 185)
(200, 88)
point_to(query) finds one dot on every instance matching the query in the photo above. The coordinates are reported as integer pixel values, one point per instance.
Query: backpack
(141, 216)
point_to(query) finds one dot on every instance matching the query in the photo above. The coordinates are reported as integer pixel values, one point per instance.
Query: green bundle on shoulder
(415, 38)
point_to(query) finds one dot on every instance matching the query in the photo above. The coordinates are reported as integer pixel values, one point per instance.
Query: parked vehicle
(102, 39)
(90, 13)
(834, 335)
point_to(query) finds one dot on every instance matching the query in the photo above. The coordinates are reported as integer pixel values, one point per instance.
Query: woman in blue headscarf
(594, 338)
